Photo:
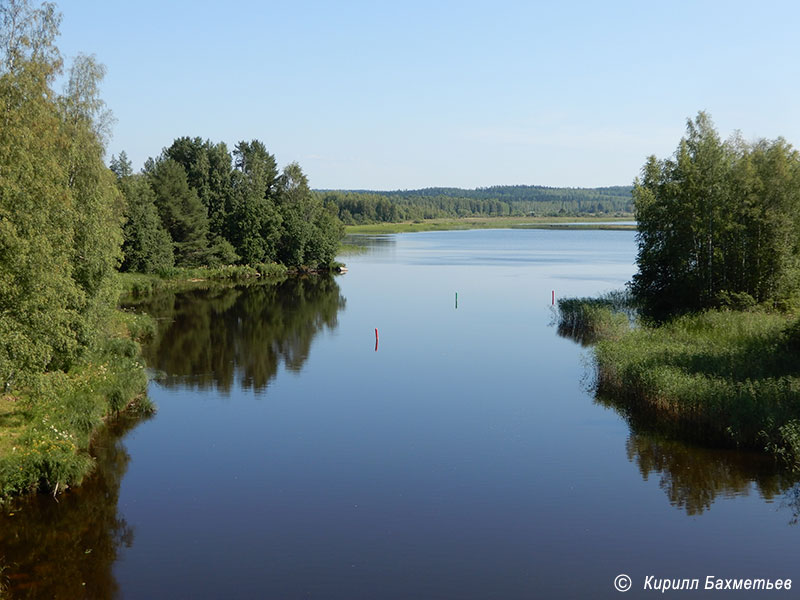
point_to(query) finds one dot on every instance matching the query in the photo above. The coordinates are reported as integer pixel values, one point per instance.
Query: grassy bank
(46, 429)
(351, 249)
(722, 377)
(135, 285)
(492, 223)
(139, 285)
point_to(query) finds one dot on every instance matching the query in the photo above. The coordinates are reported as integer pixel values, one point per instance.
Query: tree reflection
(209, 338)
(66, 548)
(694, 477)
(694, 469)
(791, 500)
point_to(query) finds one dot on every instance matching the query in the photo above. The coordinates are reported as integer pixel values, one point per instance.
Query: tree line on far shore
(197, 204)
(355, 207)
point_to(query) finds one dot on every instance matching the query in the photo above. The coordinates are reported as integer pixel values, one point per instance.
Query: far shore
(616, 222)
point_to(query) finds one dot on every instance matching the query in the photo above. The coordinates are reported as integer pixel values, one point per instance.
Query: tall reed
(726, 377)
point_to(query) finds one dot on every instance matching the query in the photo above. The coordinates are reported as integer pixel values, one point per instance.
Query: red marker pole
(554, 297)
(376, 339)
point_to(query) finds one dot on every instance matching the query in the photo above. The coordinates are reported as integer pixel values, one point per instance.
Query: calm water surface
(464, 457)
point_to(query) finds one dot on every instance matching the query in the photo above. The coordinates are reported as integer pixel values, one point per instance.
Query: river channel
(412, 429)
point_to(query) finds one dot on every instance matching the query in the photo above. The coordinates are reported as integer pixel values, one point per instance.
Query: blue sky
(402, 95)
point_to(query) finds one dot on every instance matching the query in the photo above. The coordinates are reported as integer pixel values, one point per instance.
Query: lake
(458, 452)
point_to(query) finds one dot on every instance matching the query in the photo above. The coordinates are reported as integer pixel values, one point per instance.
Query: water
(465, 457)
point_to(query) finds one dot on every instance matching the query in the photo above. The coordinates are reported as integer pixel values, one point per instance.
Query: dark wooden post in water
(456, 299)
(554, 297)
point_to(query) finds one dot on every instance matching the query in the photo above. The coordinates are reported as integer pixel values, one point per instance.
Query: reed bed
(139, 285)
(587, 320)
(722, 377)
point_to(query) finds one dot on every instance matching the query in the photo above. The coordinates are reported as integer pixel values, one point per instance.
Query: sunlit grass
(727, 377)
(46, 429)
(137, 285)
(12, 423)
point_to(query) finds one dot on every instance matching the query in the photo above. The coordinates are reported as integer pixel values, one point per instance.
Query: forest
(356, 207)
(197, 204)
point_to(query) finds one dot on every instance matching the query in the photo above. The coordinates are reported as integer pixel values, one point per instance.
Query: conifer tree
(147, 246)
(181, 212)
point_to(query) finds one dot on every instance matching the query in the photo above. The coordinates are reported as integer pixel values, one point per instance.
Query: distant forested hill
(364, 206)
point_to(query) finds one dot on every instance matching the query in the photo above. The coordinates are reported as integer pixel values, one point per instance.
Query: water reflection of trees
(66, 548)
(209, 338)
(693, 477)
(791, 501)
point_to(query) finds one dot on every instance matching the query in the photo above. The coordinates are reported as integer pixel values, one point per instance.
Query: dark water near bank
(462, 458)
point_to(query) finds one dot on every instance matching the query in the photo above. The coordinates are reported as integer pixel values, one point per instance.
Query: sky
(403, 95)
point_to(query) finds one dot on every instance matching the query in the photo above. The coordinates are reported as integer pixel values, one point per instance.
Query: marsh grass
(139, 327)
(139, 285)
(722, 377)
(351, 249)
(46, 429)
(587, 320)
(579, 226)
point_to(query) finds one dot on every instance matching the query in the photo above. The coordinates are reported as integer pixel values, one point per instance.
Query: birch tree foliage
(60, 213)
(719, 224)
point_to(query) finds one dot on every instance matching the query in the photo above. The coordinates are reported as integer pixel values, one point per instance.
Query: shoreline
(136, 286)
(724, 378)
(582, 223)
(51, 423)
(49, 426)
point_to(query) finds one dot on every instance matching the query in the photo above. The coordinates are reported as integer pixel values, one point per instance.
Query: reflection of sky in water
(496, 247)
(599, 260)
